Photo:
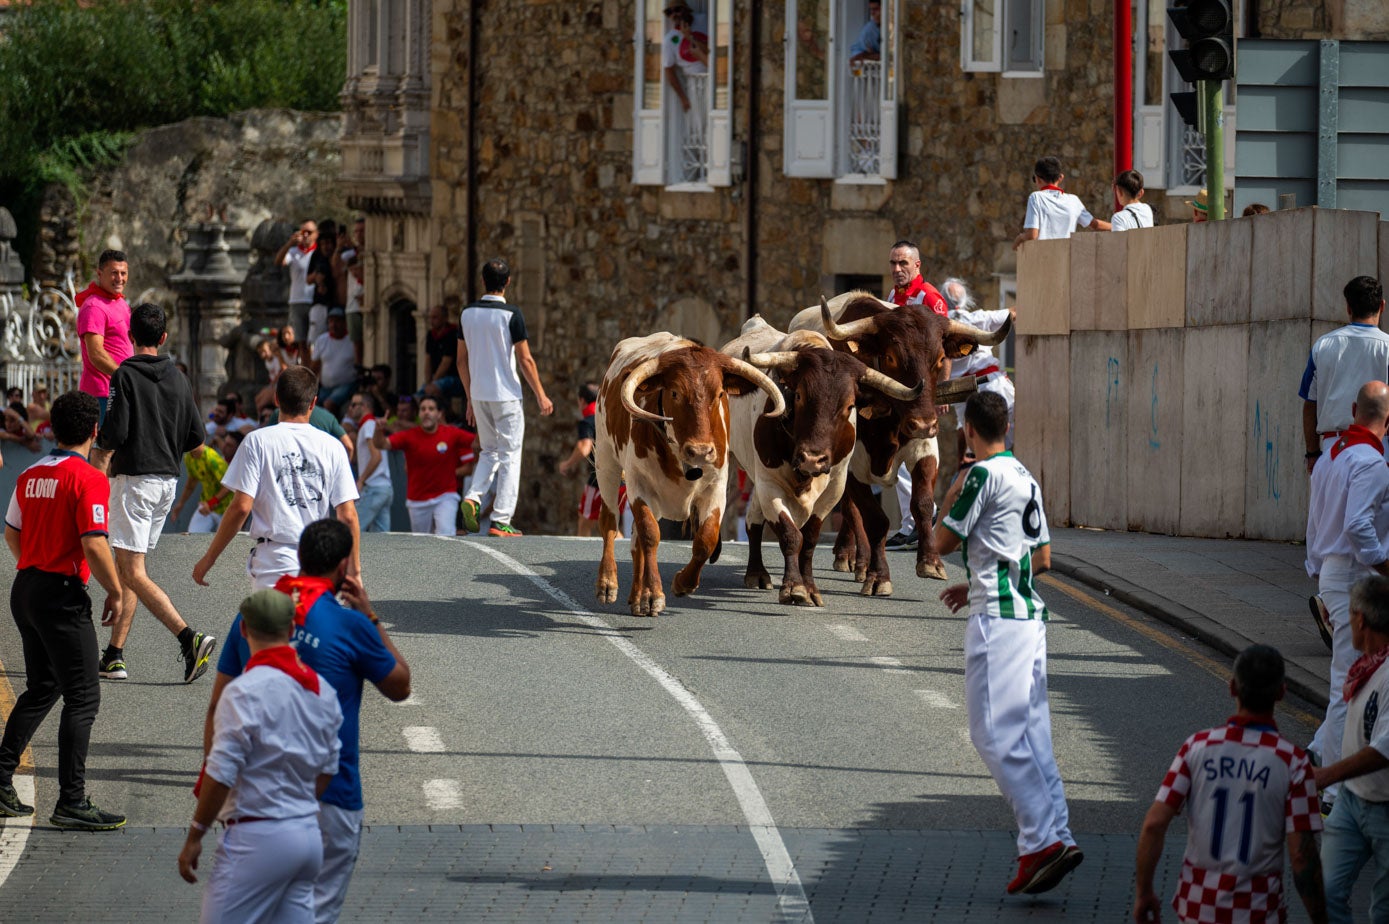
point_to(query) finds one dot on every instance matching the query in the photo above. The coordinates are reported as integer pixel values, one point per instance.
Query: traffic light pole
(1212, 95)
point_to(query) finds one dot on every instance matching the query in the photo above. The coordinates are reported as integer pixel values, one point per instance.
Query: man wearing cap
(346, 645)
(334, 361)
(274, 750)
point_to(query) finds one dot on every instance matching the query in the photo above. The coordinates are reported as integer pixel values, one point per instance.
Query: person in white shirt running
(995, 509)
(275, 748)
(285, 477)
(1340, 362)
(1052, 213)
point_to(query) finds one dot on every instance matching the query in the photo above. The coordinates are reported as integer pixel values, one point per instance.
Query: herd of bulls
(816, 416)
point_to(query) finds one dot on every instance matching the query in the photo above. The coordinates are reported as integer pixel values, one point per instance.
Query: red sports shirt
(432, 458)
(920, 292)
(64, 498)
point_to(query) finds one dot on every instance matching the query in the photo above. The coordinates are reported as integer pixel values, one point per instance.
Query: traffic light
(1209, 29)
(1188, 107)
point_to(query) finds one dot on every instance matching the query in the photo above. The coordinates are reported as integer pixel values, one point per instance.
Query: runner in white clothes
(995, 509)
(1340, 362)
(285, 476)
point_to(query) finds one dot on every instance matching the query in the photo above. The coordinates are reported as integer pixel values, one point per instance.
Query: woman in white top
(1132, 214)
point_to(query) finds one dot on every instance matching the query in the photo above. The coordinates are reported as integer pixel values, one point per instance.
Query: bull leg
(854, 506)
(877, 579)
(706, 539)
(810, 535)
(606, 587)
(756, 576)
(648, 597)
(844, 540)
(928, 563)
(792, 586)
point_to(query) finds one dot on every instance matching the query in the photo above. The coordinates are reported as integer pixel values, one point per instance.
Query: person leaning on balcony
(683, 50)
(868, 45)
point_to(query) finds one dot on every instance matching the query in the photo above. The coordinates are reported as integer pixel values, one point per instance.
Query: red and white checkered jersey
(1245, 788)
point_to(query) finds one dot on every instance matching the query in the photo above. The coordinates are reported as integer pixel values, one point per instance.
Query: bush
(77, 78)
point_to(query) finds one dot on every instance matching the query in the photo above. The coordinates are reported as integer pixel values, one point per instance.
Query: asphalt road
(535, 706)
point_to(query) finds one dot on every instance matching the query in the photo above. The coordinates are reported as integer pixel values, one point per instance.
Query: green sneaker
(506, 530)
(86, 817)
(10, 806)
(469, 509)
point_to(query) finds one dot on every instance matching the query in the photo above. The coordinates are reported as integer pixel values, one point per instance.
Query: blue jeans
(374, 508)
(1356, 831)
(338, 394)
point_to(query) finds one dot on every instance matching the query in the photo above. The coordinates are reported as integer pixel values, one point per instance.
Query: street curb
(1227, 641)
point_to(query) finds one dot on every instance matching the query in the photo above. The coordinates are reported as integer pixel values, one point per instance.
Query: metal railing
(865, 117)
(694, 129)
(38, 340)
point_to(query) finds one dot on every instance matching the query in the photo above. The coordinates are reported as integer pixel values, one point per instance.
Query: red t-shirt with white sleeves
(1245, 788)
(62, 498)
(431, 459)
(920, 292)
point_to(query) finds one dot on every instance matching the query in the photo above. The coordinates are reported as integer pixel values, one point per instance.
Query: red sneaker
(1036, 867)
(1071, 857)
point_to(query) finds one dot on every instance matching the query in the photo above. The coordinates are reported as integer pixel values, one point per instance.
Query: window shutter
(648, 132)
(890, 108)
(981, 34)
(808, 124)
(720, 129)
(1023, 44)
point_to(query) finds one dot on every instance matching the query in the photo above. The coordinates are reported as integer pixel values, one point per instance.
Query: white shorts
(269, 561)
(139, 506)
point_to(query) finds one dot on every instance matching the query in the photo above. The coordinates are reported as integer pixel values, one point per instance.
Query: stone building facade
(548, 136)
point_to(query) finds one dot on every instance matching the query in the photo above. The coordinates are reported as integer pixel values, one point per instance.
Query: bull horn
(643, 371)
(960, 329)
(759, 378)
(780, 360)
(851, 331)
(890, 386)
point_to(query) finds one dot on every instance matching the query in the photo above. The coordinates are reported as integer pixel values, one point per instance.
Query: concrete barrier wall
(1157, 370)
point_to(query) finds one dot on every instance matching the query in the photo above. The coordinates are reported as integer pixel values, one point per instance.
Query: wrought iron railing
(39, 342)
(694, 129)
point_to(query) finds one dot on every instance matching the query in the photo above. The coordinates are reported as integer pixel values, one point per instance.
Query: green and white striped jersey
(999, 520)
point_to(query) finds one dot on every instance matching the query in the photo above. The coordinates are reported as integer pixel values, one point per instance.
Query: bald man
(1348, 539)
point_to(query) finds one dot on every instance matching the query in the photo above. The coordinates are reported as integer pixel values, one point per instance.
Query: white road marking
(847, 633)
(423, 739)
(443, 794)
(790, 893)
(14, 832)
(936, 699)
(890, 665)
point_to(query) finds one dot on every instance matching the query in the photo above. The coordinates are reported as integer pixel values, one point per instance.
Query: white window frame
(816, 132)
(656, 137)
(1006, 13)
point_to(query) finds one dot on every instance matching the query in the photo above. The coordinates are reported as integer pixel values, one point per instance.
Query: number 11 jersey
(1245, 788)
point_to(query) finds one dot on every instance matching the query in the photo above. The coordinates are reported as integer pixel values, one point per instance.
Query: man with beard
(436, 456)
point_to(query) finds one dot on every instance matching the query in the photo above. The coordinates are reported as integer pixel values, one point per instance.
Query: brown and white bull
(798, 462)
(913, 346)
(662, 423)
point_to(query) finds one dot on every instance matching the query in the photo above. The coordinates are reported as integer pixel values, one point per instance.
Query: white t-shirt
(339, 360)
(1341, 362)
(300, 291)
(318, 322)
(999, 517)
(983, 356)
(491, 328)
(354, 295)
(295, 473)
(1055, 214)
(1363, 729)
(1131, 217)
(380, 476)
(232, 424)
(671, 55)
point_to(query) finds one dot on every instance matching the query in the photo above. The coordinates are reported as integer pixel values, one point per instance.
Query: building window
(1002, 35)
(842, 73)
(683, 129)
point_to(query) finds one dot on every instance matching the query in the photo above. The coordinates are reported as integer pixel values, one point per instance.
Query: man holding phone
(296, 254)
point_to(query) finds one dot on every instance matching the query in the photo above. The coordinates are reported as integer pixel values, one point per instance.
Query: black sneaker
(112, 668)
(86, 817)
(10, 806)
(903, 542)
(197, 655)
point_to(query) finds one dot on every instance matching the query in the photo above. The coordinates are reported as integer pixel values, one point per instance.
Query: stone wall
(1347, 20)
(599, 259)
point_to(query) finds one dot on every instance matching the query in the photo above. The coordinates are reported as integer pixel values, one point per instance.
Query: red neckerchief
(285, 658)
(1362, 670)
(94, 289)
(1356, 435)
(365, 417)
(1052, 186)
(1258, 722)
(591, 408)
(309, 249)
(919, 286)
(305, 592)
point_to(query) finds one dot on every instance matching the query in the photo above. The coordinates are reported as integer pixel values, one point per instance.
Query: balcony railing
(865, 117)
(694, 129)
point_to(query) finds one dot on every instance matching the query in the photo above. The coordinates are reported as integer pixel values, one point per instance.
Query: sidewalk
(1229, 593)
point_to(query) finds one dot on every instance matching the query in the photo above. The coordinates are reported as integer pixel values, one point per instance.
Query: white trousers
(265, 871)
(342, 840)
(1010, 724)
(1338, 573)
(436, 515)
(501, 427)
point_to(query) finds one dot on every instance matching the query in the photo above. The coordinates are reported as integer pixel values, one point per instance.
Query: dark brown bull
(662, 422)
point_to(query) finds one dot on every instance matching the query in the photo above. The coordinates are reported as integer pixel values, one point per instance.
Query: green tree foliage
(77, 78)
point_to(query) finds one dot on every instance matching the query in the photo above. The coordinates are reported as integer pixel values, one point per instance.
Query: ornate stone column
(209, 290)
(11, 270)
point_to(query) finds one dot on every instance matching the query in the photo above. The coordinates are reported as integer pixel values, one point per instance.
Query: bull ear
(872, 406)
(957, 347)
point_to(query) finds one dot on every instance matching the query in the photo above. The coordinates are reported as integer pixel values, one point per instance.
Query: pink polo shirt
(100, 312)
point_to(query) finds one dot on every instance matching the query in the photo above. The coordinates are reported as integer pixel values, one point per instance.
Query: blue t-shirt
(344, 647)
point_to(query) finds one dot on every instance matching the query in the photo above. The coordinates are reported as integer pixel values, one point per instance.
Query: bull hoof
(861, 574)
(815, 597)
(606, 591)
(649, 606)
(935, 570)
(794, 595)
(683, 587)
(759, 580)
(842, 564)
(876, 587)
